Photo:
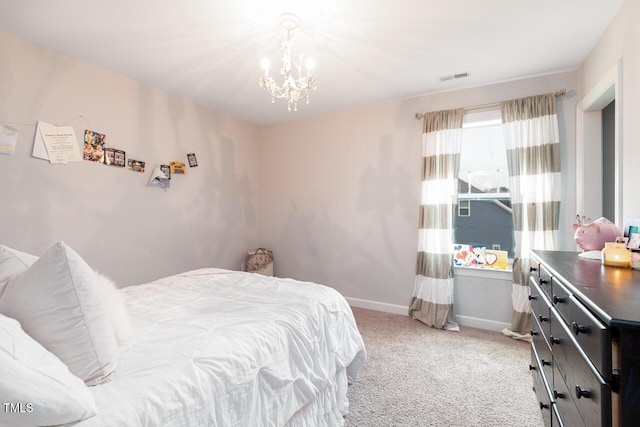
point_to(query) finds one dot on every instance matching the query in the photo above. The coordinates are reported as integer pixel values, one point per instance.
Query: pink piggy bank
(591, 236)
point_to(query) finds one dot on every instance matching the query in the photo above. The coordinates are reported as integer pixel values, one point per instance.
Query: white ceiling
(366, 51)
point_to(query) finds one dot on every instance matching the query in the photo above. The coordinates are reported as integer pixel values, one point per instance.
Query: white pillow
(58, 303)
(13, 262)
(36, 387)
(116, 309)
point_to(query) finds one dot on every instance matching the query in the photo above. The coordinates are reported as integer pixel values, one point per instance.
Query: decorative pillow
(37, 388)
(13, 262)
(116, 309)
(58, 303)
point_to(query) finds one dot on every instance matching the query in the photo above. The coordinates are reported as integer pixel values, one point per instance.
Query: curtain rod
(559, 94)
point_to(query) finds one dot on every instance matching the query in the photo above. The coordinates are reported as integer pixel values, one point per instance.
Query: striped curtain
(533, 153)
(432, 301)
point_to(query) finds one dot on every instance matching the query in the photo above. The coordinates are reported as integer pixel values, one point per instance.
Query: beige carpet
(418, 376)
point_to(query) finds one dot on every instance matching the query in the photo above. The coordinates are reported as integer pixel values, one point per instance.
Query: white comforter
(220, 348)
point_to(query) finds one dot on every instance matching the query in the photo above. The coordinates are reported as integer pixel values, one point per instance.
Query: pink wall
(338, 196)
(335, 196)
(125, 230)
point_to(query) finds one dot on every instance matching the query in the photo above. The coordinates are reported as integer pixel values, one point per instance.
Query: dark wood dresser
(585, 356)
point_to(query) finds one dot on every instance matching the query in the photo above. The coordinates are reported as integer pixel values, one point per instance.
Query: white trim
(486, 273)
(472, 322)
(379, 306)
(468, 321)
(588, 118)
(475, 322)
(481, 196)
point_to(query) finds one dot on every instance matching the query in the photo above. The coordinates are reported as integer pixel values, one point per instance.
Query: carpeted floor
(419, 376)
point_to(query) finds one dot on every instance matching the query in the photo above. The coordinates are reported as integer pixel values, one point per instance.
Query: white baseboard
(476, 322)
(472, 322)
(378, 306)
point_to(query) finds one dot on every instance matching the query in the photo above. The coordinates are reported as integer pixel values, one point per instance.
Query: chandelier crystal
(293, 88)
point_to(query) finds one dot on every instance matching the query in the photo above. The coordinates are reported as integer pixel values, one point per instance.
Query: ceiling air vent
(453, 76)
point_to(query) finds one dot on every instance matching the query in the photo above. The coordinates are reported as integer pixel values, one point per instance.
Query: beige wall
(127, 231)
(621, 41)
(338, 195)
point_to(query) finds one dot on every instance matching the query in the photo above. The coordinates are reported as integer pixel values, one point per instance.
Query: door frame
(589, 146)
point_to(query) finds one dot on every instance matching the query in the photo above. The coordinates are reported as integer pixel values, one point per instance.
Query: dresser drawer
(542, 349)
(592, 336)
(560, 299)
(564, 402)
(591, 395)
(534, 268)
(540, 307)
(541, 388)
(545, 281)
(556, 419)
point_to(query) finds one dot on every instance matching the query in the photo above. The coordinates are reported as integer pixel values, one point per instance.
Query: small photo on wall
(178, 167)
(119, 158)
(193, 162)
(136, 165)
(113, 157)
(166, 169)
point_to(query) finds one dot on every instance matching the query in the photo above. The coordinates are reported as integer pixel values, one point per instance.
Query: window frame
(488, 115)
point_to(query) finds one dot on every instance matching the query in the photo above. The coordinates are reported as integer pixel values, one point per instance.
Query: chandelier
(293, 88)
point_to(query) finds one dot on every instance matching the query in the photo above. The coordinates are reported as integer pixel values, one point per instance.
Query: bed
(215, 347)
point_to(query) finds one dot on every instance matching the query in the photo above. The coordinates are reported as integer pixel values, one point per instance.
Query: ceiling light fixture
(293, 88)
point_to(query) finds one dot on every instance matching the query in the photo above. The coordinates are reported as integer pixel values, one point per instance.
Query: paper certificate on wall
(39, 149)
(61, 144)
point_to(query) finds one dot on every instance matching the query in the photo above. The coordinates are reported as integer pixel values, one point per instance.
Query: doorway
(599, 180)
(608, 160)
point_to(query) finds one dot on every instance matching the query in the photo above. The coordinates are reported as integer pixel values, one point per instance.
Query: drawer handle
(543, 318)
(580, 393)
(544, 281)
(532, 368)
(543, 405)
(533, 333)
(579, 329)
(532, 297)
(545, 362)
(532, 269)
(558, 395)
(554, 340)
(559, 300)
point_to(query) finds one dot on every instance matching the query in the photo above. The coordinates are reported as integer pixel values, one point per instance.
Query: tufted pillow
(13, 262)
(37, 388)
(58, 303)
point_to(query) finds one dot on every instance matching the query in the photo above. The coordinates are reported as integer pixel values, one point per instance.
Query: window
(464, 207)
(485, 217)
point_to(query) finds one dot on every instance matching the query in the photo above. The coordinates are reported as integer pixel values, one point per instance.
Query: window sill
(490, 273)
